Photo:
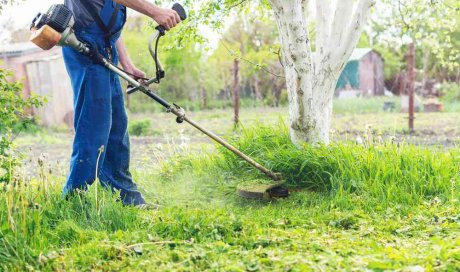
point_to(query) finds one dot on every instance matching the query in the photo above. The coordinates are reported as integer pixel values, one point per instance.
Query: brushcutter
(55, 28)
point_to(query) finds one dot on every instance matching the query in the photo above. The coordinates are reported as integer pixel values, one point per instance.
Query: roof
(359, 53)
(17, 49)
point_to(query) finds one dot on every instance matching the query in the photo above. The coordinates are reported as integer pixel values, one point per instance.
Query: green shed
(363, 72)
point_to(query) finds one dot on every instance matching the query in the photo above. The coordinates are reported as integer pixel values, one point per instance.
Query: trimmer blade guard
(262, 191)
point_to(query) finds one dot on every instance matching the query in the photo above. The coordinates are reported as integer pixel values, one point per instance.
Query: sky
(22, 13)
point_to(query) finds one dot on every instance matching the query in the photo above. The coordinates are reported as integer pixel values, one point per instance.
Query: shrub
(450, 91)
(13, 114)
(140, 127)
(284, 98)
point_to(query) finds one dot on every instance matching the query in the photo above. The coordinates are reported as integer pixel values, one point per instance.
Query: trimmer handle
(180, 11)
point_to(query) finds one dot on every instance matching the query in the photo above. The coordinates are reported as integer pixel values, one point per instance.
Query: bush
(13, 115)
(140, 127)
(284, 98)
(450, 91)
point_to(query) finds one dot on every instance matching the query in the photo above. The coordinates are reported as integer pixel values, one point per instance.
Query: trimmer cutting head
(262, 189)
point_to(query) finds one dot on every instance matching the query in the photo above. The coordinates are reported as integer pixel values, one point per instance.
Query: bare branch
(239, 57)
(238, 4)
(403, 19)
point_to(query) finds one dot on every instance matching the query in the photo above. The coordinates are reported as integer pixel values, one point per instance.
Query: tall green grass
(34, 217)
(363, 197)
(39, 230)
(384, 171)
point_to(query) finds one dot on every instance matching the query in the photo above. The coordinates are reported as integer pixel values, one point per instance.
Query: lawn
(370, 206)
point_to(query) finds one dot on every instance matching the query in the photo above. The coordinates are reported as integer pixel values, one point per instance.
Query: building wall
(349, 76)
(379, 76)
(18, 64)
(363, 73)
(48, 77)
(44, 73)
(371, 74)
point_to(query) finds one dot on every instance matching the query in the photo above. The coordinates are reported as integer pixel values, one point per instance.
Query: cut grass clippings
(374, 206)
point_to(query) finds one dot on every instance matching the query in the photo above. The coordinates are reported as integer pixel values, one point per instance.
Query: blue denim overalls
(100, 118)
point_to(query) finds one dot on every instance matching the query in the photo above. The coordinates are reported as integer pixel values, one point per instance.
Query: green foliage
(450, 91)
(13, 114)
(199, 76)
(254, 43)
(365, 105)
(141, 106)
(140, 127)
(185, 65)
(394, 60)
(432, 25)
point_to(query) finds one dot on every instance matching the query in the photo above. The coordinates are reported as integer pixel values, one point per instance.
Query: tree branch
(323, 26)
(239, 57)
(341, 20)
(353, 32)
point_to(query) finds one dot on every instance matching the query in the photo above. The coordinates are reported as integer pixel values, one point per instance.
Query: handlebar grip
(180, 11)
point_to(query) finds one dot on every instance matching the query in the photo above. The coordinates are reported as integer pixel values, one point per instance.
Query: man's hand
(126, 61)
(166, 17)
(137, 73)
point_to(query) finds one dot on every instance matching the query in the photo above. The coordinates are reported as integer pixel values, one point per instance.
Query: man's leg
(115, 170)
(92, 123)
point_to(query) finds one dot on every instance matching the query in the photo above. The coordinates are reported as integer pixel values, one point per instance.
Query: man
(101, 137)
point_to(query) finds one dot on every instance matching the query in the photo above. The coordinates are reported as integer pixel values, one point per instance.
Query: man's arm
(126, 61)
(165, 17)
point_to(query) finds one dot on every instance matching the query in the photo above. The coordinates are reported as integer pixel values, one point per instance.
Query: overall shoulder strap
(88, 5)
(113, 19)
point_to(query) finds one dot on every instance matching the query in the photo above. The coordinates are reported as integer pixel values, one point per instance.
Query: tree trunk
(204, 97)
(277, 93)
(411, 85)
(426, 63)
(236, 90)
(257, 93)
(311, 82)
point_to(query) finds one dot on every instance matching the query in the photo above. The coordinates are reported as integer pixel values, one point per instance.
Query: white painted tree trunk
(311, 78)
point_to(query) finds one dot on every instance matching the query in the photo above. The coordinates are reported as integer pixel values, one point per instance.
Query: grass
(375, 206)
(365, 105)
(369, 169)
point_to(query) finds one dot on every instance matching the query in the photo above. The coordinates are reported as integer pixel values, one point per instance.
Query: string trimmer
(56, 28)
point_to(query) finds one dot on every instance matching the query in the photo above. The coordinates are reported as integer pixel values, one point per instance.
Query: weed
(140, 128)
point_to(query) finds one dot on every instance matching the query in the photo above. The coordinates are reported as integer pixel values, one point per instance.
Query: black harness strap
(113, 19)
(97, 18)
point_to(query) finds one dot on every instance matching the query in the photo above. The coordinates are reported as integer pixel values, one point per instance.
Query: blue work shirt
(82, 17)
